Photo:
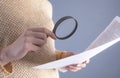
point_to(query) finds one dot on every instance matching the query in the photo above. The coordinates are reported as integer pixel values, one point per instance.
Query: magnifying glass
(65, 27)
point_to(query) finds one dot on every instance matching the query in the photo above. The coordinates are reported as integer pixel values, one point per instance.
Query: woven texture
(15, 17)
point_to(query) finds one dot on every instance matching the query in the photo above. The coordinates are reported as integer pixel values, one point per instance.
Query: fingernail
(55, 37)
(84, 65)
(78, 65)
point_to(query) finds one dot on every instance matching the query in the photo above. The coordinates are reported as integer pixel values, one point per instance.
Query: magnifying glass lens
(65, 28)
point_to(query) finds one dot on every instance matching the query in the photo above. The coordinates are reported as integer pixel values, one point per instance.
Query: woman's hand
(74, 67)
(30, 40)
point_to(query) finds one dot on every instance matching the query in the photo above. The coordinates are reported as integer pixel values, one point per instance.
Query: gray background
(93, 16)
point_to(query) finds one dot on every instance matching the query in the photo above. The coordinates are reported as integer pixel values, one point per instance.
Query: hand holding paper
(107, 38)
(73, 67)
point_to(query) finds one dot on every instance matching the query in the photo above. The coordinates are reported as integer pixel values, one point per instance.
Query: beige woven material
(15, 17)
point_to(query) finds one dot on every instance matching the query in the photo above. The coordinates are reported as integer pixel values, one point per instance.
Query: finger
(38, 35)
(38, 42)
(33, 48)
(72, 70)
(69, 68)
(72, 67)
(35, 41)
(49, 33)
(75, 65)
(78, 65)
(81, 65)
(44, 30)
(86, 62)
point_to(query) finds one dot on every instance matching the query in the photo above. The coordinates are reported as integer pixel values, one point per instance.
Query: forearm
(3, 56)
(5, 63)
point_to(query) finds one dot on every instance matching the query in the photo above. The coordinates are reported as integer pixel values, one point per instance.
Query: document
(106, 39)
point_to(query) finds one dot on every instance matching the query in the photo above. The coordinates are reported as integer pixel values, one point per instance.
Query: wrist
(5, 65)
(3, 56)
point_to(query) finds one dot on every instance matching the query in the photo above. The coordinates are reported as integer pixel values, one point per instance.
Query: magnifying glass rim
(58, 24)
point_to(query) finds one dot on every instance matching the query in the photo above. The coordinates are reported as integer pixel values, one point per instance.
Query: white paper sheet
(107, 38)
